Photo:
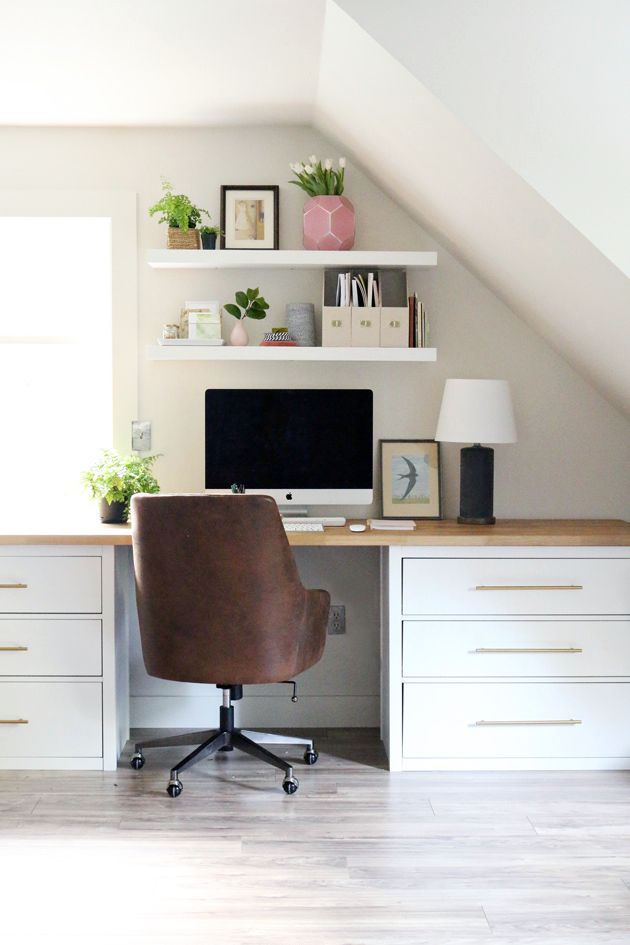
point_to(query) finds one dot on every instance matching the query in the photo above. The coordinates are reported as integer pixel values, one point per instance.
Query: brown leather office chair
(220, 601)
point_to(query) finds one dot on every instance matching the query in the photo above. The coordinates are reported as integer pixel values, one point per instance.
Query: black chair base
(226, 738)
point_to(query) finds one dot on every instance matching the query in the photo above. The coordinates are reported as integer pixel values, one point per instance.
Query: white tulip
(308, 169)
(328, 164)
(294, 167)
(313, 159)
(342, 162)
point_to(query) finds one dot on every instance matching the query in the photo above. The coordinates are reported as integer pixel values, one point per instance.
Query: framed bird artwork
(410, 477)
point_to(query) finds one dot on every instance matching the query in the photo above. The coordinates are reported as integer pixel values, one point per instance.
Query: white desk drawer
(50, 584)
(48, 719)
(50, 647)
(544, 720)
(516, 648)
(516, 586)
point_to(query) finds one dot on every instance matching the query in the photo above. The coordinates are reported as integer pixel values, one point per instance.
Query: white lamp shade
(476, 411)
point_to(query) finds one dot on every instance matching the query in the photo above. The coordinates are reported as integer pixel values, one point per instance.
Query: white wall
(572, 457)
(545, 83)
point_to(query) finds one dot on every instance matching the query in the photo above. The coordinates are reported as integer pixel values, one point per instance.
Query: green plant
(319, 179)
(177, 210)
(249, 304)
(116, 478)
(207, 230)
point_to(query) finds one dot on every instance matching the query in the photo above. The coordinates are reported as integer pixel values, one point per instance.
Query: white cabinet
(506, 658)
(42, 720)
(516, 585)
(62, 680)
(50, 647)
(517, 720)
(40, 584)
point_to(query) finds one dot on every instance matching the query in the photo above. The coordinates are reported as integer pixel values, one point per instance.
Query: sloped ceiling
(545, 83)
(505, 232)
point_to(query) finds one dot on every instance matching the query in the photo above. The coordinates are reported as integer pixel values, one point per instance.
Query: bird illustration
(412, 476)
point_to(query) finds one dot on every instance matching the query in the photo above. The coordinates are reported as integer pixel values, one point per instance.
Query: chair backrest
(219, 595)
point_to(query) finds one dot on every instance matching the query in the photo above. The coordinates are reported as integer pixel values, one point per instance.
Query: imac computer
(302, 447)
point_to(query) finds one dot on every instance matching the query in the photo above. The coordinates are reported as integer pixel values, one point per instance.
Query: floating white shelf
(258, 353)
(287, 259)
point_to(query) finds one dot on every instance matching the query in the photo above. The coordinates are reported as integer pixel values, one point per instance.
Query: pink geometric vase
(328, 223)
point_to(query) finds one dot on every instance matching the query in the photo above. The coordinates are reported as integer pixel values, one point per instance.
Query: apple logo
(289, 496)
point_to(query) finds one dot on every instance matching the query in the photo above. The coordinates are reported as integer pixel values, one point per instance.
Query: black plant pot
(209, 240)
(113, 513)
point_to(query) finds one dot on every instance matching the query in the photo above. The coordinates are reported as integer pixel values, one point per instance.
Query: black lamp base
(476, 486)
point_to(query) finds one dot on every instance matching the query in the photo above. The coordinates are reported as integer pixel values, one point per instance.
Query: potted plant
(329, 218)
(114, 478)
(249, 304)
(209, 236)
(182, 217)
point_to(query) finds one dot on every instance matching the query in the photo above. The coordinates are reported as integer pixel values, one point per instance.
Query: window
(55, 354)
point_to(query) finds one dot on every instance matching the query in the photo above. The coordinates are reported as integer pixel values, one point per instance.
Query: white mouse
(357, 528)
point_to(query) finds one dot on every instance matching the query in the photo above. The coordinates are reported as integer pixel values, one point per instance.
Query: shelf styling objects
(329, 218)
(278, 338)
(182, 217)
(250, 216)
(410, 477)
(301, 323)
(249, 304)
(472, 411)
(114, 478)
(209, 236)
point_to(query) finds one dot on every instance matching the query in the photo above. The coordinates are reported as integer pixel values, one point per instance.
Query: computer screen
(308, 446)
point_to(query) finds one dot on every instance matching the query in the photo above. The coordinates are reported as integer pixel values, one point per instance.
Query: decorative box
(202, 325)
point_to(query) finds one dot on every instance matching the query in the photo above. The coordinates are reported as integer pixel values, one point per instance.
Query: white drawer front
(516, 648)
(50, 647)
(47, 585)
(60, 720)
(451, 720)
(516, 586)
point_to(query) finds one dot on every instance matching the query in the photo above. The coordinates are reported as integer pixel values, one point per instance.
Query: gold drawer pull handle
(336, 323)
(485, 722)
(366, 322)
(528, 649)
(529, 587)
(13, 721)
(14, 585)
(394, 324)
(13, 649)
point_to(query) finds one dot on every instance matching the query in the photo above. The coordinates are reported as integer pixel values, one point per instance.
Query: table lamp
(473, 411)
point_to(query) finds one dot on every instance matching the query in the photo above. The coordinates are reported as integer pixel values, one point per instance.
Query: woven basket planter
(183, 239)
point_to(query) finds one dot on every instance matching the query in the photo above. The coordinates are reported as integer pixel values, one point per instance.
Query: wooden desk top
(507, 532)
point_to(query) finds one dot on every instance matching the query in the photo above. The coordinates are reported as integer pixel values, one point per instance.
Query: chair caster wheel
(137, 761)
(290, 785)
(310, 756)
(174, 788)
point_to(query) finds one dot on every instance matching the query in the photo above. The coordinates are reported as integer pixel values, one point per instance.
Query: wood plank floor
(357, 857)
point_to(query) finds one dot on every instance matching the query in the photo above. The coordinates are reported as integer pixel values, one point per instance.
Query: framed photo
(250, 216)
(410, 476)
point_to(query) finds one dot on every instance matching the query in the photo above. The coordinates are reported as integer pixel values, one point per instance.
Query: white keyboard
(303, 527)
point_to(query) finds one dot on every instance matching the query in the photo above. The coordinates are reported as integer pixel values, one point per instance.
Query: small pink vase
(239, 335)
(329, 223)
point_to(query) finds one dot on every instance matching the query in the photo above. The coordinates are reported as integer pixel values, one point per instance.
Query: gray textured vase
(301, 323)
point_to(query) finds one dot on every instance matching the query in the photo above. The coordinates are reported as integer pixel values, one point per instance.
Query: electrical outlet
(141, 435)
(337, 619)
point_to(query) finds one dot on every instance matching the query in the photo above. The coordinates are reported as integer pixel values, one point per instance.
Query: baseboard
(257, 711)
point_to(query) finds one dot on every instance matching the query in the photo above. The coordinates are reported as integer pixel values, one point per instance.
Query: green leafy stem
(249, 304)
